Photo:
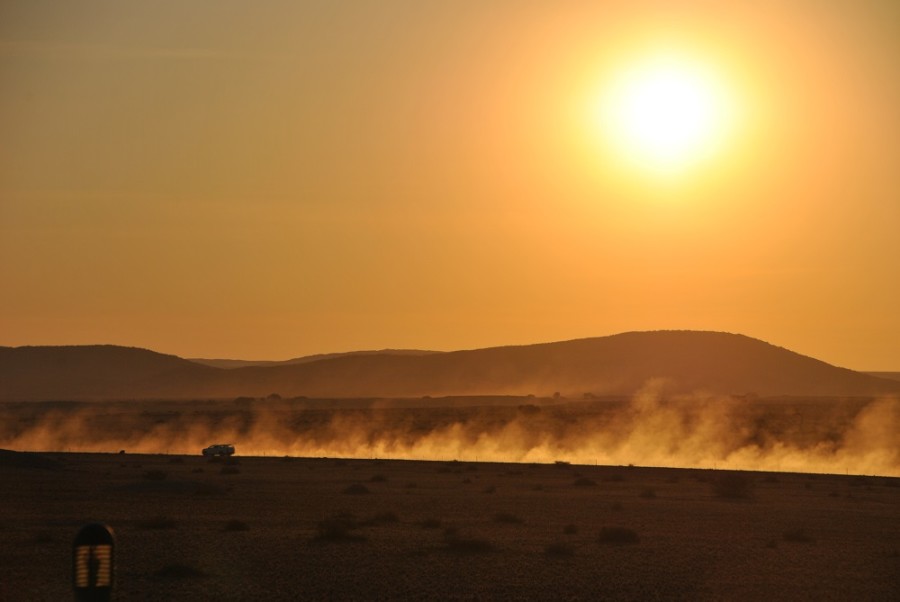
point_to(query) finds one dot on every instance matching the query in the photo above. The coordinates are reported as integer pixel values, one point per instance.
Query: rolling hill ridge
(683, 361)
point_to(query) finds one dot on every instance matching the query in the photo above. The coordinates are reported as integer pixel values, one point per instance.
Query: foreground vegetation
(287, 528)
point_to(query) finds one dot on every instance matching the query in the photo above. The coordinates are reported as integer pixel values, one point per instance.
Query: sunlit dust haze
(267, 180)
(650, 429)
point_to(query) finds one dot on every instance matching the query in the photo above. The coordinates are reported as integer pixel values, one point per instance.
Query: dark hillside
(226, 363)
(89, 371)
(617, 365)
(678, 361)
(888, 375)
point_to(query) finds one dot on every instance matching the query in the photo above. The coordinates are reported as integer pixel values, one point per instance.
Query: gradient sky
(264, 180)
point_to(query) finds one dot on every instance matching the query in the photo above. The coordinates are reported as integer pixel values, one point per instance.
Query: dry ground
(291, 528)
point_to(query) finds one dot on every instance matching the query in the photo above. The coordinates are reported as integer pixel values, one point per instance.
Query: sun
(665, 113)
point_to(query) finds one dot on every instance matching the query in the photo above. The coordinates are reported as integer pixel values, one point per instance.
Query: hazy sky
(271, 179)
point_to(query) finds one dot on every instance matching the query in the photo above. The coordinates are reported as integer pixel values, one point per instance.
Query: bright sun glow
(665, 114)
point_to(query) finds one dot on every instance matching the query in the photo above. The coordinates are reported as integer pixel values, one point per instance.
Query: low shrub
(507, 518)
(431, 523)
(236, 525)
(356, 489)
(617, 536)
(797, 536)
(156, 522)
(383, 518)
(559, 550)
(179, 571)
(378, 478)
(468, 545)
(338, 528)
(155, 475)
(648, 494)
(733, 485)
(585, 482)
(230, 470)
(43, 537)
(208, 489)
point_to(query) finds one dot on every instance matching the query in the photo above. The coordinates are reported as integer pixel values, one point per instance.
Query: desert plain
(282, 527)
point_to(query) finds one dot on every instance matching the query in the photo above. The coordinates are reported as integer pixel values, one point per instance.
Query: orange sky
(271, 179)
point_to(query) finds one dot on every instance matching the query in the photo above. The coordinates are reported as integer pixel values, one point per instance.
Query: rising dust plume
(650, 429)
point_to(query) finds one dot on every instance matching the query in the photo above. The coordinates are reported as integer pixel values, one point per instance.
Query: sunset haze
(273, 179)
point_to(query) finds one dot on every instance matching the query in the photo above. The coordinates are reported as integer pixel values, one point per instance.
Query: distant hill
(889, 375)
(222, 363)
(686, 361)
(90, 372)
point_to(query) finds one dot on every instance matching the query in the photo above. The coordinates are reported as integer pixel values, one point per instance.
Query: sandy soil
(290, 528)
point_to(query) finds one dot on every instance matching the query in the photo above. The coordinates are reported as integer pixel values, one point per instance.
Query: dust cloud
(650, 429)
